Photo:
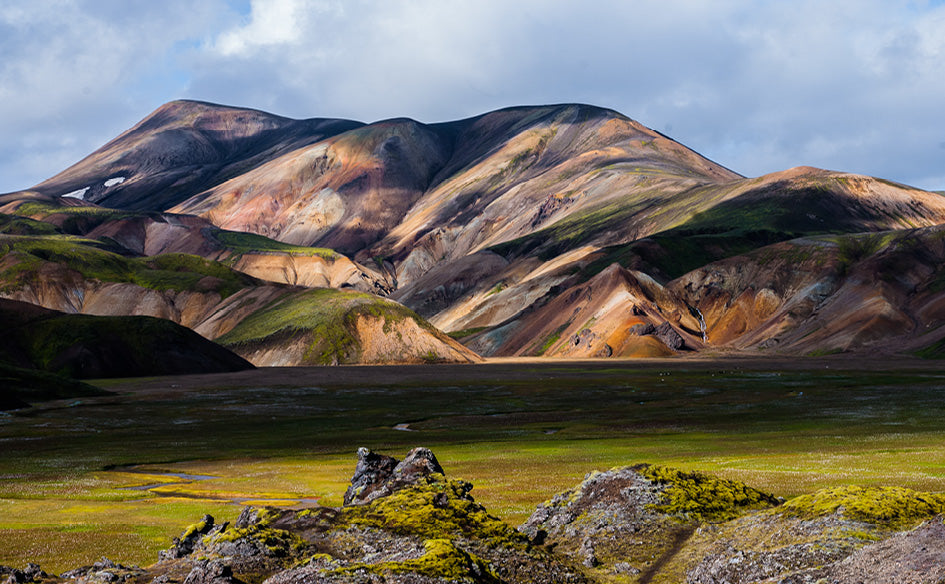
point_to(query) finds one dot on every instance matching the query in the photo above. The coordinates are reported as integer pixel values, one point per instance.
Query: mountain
(86, 347)
(265, 322)
(180, 149)
(561, 230)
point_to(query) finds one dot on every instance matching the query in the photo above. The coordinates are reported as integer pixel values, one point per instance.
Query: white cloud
(272, 23)
(757, 85)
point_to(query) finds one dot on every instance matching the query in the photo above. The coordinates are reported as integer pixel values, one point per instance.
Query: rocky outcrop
(405, 522)
(31, 573)
(635, 520)
(104, 571)
(378, 475)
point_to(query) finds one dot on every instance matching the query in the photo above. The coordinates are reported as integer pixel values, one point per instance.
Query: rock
(185, 544)
(911, 557)
(378, 475)
(371, 473)
(672, 339)
(32, 573)
(602, 522)
(605, 351)
(642, 329)
(104, 571)
(211, 572)
(584, 339)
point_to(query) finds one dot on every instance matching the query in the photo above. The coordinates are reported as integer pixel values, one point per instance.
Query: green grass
(520, 433)
(25, 256)
(242, 243)
(462, 334)
(19, 387)
(14, 225)
(326, 316)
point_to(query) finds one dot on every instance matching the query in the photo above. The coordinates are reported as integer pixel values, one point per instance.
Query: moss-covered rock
(892, 507)
(697, 496)
(442, 559)
(434, 508)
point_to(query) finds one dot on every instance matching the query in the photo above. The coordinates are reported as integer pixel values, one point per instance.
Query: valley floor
(519, 429)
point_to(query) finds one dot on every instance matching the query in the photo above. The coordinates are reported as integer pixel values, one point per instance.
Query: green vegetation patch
(893, 507)
(125, 343)
(462, 334)
(19, 387)
(73, 219)
(934, 351)
(14, 225)
(329, 316)
(441, 559)
(241, 243)
(435, 509)
(702, 497)
(277, 542)
(177, 271)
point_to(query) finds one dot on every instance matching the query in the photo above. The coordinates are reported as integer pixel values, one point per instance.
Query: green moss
(180, 272)
(193, 528)
(824, 352)
(934, 351)
(13, 225)
(893, 507)
(701, 497)
(441, 559)
(143, 338)
(240, 243)
(39, 209)
(278, 542)
(551, 339)
(462, 334)
(435, 509)
(853, 249)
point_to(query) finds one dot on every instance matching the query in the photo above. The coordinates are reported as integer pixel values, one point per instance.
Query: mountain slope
(77, 276)
(86, 347)
(181, 148)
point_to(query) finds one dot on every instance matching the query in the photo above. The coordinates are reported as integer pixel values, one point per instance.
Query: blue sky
(758, 86)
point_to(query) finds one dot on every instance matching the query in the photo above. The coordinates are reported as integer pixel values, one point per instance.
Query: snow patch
(114, 181)
(79, 194)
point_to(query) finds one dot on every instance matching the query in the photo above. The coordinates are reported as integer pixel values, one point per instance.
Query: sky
(756, 85)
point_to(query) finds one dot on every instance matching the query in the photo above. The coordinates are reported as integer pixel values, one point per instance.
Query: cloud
(756, 85)
(73, 74)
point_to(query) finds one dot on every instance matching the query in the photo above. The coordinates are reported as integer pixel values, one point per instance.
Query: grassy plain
(520, 431)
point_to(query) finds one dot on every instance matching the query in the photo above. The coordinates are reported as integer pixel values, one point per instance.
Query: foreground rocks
(405, 522)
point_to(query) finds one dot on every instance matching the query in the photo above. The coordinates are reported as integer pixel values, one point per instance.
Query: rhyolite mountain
(565, 230)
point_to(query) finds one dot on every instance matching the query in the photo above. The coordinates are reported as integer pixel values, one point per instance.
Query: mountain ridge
(481, 223)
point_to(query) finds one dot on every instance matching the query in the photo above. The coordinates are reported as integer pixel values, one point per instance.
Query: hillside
(561, 230)
(78, 275)
(82, 346)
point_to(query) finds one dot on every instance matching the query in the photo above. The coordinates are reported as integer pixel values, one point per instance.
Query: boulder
(378, 475)
(672, 339)
(211, 572)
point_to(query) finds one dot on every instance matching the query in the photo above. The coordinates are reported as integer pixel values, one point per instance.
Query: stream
(187, 479)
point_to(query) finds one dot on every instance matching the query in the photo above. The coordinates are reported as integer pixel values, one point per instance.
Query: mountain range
(558, 231)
